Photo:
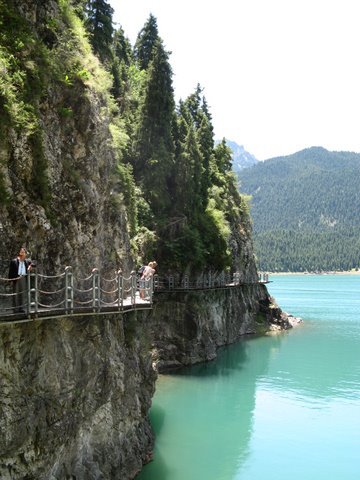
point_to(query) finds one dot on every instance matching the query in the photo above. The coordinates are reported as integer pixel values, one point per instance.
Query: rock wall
(188, 327)
(74, 398)
(80, 223)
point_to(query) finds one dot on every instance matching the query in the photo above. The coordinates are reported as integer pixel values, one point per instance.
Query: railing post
(171, 282)
(151, 289)
(133, 287)
(120, 286)
(186, 282)
(34, 305)
(156, 281)
(69, 290)
(28, 293)
(95, 290)
(36, 291)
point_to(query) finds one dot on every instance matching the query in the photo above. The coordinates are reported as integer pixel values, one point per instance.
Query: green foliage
(99, 24)
(72, 60)
(21, 86)
(180, 195)
(305, 210)
(294, 251)
(153, 143)
(145, 244)
(29, 62)
(19, 81)
(193, 113)
(126, 186)
(188, 176)
(145, 43)
(122, 47)
(66, 112)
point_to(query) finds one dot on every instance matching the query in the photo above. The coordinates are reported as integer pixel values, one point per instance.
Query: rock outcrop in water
(188, 327)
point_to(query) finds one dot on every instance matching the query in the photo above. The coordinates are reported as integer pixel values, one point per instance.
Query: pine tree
(99, 24)
(122, 59)
(145, 43)
(223, 157)
(122, 47)
(188, 177)
(154, 145)
(206, 141)
(194, 110)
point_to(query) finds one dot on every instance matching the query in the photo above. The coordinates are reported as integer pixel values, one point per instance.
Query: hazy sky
(278, 75)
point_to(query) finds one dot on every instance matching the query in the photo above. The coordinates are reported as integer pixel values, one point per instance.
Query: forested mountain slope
(305, 210)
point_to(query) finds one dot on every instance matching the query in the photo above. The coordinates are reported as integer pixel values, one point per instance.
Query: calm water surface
(276, 408)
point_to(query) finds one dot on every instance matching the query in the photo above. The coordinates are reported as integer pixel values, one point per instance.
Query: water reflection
(203, 415)
(275, 407)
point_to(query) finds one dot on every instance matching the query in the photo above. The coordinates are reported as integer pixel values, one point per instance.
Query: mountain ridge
(309, 193)
(241, 158)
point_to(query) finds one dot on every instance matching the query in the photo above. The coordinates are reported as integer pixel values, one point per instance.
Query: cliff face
(189, 327)
(57, 162)
(74, 398)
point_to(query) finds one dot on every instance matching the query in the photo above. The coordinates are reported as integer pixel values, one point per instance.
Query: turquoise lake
(278, 407)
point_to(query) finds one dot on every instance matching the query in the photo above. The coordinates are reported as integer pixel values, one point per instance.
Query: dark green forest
(305, 209)
(181, 194)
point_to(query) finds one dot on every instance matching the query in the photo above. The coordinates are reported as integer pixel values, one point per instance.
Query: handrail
(65, 294)
(204, 281)
(40, 296)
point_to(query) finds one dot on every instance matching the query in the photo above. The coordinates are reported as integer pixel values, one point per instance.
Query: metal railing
(43, 296)
(66, 294)
(204, 281)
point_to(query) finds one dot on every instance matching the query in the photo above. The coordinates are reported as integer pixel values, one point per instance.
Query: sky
(278, 75)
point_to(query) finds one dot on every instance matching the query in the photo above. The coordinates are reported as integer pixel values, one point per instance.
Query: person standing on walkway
(148, 272)
(18, 269)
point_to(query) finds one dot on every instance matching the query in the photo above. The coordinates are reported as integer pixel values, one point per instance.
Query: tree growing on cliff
(122, 59)
(153, 151)
(184, 180)
(98, 21)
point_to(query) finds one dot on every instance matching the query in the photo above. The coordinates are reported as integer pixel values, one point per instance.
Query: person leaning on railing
(18, 269)
(148, 272)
